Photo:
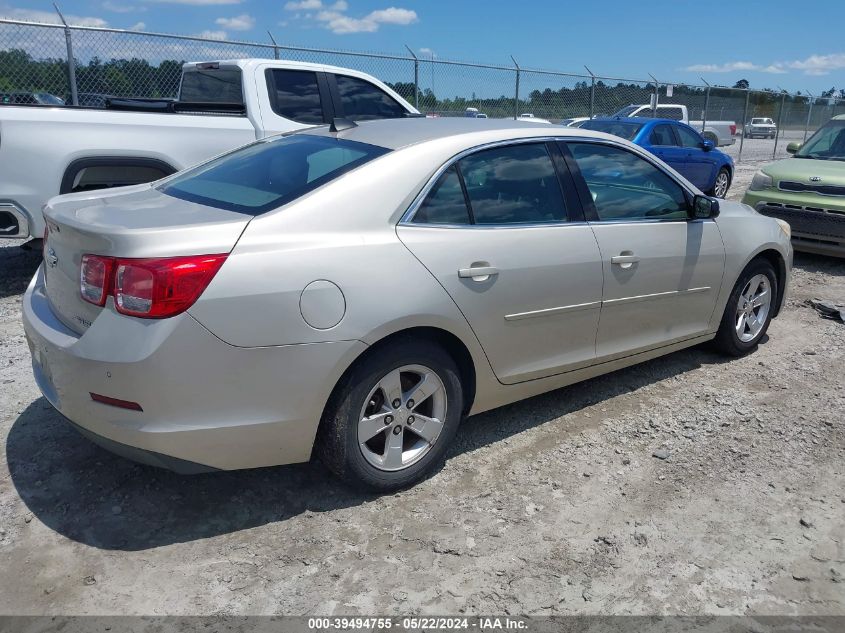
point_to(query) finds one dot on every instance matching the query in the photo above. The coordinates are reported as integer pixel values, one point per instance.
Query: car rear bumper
(205, 404)
(817, 227)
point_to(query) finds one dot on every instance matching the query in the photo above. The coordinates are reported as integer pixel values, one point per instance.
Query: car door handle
(478, 273)
(625, 261)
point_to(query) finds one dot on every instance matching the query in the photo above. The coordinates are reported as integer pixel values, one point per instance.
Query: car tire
(736, 335)
(722, 183)
(353, 411)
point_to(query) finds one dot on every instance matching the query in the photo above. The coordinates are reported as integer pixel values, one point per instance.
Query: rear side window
(295, 95)
(212, 86)
(362, 101)
(513, 185)
(670, 113)
(446, 203)
(622, 129)
(270, 173)
(662, 135)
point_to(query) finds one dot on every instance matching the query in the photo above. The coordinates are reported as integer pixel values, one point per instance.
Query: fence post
(656, 96)
(71, 64)
(516, 91)
(592, 92)
(275, 46)
(416, 77)
(744, 119)
(780, 117)
(706, 105)
(809, 117)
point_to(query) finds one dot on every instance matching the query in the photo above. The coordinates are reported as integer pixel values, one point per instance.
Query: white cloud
(334, 18)
(722, 68)
(304, 5)
(818, 64)
(812, 65)
(393, 16)
(138, 26)
(212, 35)
(428, 52)
(50, 17)
(116, 7)
(243, 22)
(197, 3)
(341, 24)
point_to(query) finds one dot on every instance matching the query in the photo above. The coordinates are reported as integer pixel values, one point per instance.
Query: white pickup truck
(720, 132)
(45, 151)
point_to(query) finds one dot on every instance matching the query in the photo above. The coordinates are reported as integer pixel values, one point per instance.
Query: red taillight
(95, 278)
(733, 130)
(156, 288)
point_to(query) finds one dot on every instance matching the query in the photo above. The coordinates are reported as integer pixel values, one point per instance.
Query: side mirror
(708, 145)
(704, 208)
(793, 147)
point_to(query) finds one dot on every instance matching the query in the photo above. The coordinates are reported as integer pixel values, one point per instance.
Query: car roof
(641, 120)
(399, 133)
(839, 117)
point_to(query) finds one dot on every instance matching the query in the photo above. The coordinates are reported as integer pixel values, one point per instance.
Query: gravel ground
(553, 505)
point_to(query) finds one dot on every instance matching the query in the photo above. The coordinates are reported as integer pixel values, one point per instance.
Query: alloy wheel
(402, 417)
(722, 183)
(752, 310)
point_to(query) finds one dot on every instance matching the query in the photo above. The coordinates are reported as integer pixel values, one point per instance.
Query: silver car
(353, 292)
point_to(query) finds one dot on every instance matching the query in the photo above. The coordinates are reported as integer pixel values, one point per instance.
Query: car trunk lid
(136, 222)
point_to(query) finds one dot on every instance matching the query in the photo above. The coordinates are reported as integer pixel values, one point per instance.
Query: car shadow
(824, 264)
(18, 265)
(91, 496)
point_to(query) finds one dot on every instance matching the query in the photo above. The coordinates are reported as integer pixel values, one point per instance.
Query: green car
(808, 191)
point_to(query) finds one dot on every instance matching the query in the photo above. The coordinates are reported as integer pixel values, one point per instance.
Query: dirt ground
(556, 505)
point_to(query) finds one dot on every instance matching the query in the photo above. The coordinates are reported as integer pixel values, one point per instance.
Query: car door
(662, 271)
(700, 165)
(664, 143)
(504, 234)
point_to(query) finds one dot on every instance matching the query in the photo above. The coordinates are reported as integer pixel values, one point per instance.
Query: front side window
(270, 173)
(662, 135)
(295, 95)
(625, 186)
(517, 184)
(362, 101)
(212, 86)
(688, 137)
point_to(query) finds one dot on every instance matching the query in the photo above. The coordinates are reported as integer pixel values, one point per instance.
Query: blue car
(678, 145)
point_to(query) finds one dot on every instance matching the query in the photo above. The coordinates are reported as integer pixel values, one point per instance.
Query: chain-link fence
(110, 62)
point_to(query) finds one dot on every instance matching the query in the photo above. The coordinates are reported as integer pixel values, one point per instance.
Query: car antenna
(339, 124)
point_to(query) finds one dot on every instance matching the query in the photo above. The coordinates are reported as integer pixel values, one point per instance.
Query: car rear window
(617, 128)
(270, 173)
(213, 85)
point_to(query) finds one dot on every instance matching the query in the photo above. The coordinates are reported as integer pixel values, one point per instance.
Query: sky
(771, 43)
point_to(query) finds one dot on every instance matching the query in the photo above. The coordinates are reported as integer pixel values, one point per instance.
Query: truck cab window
(295, 95)
(361, 100)
(212, 86)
